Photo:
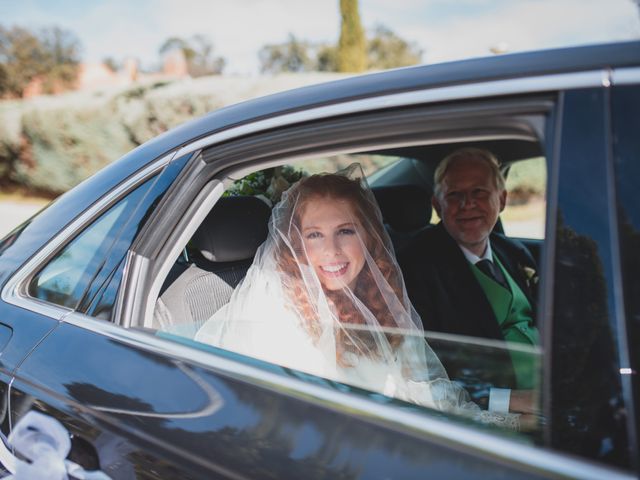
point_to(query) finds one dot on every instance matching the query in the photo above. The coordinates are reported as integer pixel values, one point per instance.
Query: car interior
(218, 255)
(213, 263)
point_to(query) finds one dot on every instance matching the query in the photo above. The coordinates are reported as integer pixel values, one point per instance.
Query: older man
(464, 279)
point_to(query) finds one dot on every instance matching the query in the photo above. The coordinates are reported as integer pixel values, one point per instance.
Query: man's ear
(503, 200)
(436, 205)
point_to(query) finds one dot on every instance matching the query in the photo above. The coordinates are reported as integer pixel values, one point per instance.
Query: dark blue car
(104, 289)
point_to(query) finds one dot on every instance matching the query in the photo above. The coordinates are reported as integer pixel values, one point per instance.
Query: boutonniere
(530, 275)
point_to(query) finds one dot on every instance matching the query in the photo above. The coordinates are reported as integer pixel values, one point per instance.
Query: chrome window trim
(491, 447)
(625, 76)
(136, 269)
(15, 291)
(534, 84)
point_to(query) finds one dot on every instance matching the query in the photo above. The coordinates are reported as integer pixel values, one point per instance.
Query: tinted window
(626, 157)
(64, 279)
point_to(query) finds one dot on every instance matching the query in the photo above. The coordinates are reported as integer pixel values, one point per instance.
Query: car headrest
(233, 230)
(404, 208)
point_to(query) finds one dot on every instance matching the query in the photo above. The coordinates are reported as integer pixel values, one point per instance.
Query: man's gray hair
(465, 153)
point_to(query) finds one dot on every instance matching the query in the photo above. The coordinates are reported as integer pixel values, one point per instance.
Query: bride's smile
(337, 270)
(332, 237)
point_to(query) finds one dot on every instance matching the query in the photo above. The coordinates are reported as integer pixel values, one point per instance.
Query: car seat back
(222, 249)
(406, 211)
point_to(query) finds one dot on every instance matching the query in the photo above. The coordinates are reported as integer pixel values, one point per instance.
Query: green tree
(61, 58)
(205, 61)
(291, 56)
(326, 58)
(352, 50)
(199, 54)
(111, 63)
(52, 55)
(387, 50)
(177, 43)
(21, 59)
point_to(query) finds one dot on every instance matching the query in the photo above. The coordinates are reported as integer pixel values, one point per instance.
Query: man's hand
(524, 401)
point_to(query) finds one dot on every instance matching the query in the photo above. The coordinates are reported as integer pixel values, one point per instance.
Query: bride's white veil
(325, 295)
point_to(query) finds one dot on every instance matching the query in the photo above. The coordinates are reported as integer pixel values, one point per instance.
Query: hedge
(50, 144)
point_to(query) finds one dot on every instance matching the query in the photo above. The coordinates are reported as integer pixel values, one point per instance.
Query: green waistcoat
(515, 316)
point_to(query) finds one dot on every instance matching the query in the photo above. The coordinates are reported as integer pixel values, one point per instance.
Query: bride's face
(333, 239)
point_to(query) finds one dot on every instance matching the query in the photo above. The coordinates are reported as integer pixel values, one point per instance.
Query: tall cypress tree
(352, 46)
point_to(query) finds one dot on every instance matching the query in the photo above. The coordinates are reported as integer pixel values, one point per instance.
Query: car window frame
(220, 164)
(232, 160)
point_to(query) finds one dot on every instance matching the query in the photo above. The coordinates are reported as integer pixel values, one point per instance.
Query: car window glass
(589, 412)
(100, 295)
(64, 279)
(524, 214)
(200, 285)
(625, 108)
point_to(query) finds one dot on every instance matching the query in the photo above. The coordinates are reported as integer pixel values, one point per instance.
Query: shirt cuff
(499, 400)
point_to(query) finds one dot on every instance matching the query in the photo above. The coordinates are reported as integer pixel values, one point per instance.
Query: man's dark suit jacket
(445, 292)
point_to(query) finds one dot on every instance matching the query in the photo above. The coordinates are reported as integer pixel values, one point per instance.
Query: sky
(443, 29)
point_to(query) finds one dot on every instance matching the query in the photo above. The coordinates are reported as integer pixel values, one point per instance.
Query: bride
(325, 295)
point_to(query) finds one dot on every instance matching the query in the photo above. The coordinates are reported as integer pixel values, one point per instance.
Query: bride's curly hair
(290, 253)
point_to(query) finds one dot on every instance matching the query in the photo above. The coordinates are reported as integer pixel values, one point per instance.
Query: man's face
(469, 203)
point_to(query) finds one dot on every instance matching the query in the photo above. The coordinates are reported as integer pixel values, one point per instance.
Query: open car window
(217, 258)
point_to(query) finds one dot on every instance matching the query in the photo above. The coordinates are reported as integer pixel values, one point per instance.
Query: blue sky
(444, 29)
